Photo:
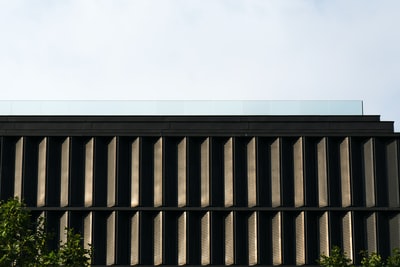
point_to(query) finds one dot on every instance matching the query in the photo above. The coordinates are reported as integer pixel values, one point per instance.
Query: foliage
(337, 258)
(72, 253)
(394, 259)
(19, 242)
(24, 243)
(371, 260)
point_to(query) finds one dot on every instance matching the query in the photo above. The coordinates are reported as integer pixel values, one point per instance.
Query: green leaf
(24, 242)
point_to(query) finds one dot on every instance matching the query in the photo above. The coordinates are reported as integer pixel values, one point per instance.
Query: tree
(371, 260)
(394, 259)
(24, 242)
(72, 253)
(337, 258)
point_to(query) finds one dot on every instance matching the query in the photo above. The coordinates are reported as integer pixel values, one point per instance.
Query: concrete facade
(209, 190)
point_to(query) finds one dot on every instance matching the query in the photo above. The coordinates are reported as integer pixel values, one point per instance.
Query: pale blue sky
(204, 49)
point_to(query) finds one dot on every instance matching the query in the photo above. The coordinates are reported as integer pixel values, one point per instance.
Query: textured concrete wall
(204, 199)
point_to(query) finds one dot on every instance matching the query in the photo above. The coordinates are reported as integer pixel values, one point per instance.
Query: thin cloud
(202, 50)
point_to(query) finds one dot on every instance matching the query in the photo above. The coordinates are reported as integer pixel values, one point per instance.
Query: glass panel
(193, 107)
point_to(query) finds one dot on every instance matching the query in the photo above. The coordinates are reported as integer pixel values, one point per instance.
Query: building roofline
(195, 126)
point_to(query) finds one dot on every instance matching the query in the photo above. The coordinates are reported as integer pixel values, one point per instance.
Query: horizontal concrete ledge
(217, 209)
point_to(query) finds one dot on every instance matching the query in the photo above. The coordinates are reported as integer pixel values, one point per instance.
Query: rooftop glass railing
(182, 107)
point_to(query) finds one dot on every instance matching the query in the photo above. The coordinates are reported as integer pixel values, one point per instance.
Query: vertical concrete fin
(65, 154)
(345, 172)
(182, 173)
(87, 230)
(19, 154)
(253, 239)
(251, 173)
(89, 153)
(394, 229)
(277, 239)
(228, 173)
(347, 227)
(298, 173)
(324, 242)
(229, 242)
(135, 239)
(158, 173)
(135, 172)
(205, 172)
(63, 226)
(41, 183)
(111, 172)
(182, 239)
(158, 239)
(300, 239)
(110, 259)
(276, 173)
(372, 245)
(369, 172)
(205, 239)
(322, 173)
(392, 158)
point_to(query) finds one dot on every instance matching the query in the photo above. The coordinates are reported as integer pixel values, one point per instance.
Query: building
(209, 190)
